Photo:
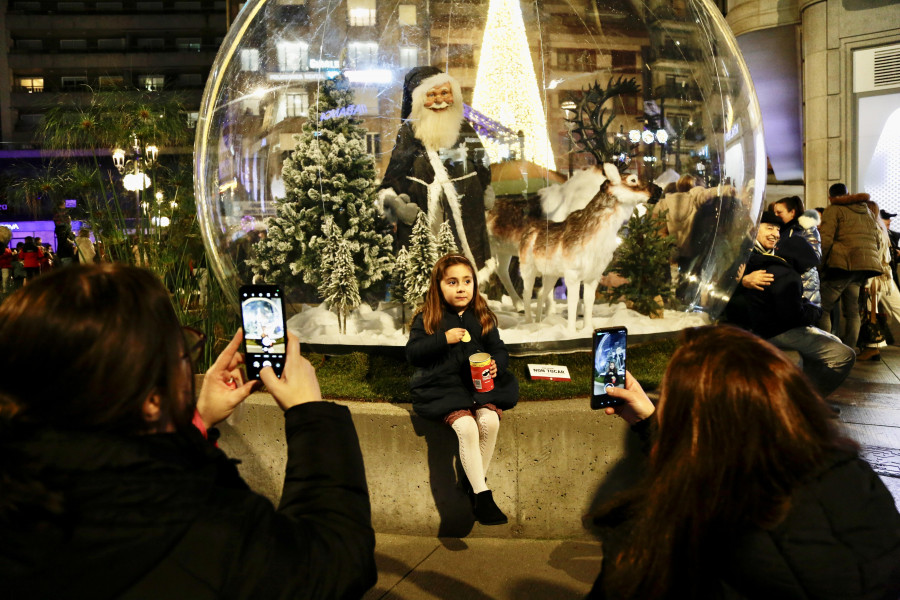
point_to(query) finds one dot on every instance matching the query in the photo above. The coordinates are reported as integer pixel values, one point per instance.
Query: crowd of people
(32, 257)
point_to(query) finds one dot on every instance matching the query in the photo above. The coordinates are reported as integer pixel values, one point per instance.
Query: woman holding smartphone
(751, 490)
(107, 489)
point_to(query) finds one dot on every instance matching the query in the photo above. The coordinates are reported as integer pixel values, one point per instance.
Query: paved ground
(411, 568)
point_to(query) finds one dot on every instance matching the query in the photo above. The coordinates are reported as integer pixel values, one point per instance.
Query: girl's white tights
(477, 438)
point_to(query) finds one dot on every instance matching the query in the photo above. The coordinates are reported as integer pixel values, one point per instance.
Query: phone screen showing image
(609, 365)
(265, 330)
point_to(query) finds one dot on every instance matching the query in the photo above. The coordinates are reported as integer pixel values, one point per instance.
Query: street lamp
(134, 179)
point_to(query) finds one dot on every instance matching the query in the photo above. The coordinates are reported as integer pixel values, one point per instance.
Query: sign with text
(549, 372)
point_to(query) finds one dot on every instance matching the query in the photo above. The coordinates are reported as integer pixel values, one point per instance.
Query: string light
(506, 87)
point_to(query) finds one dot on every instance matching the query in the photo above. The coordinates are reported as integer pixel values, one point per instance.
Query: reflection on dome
(547, 91)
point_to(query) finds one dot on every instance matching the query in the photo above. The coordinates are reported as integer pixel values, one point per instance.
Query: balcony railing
(675, 91)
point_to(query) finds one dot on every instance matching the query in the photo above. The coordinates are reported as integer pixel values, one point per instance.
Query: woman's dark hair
(85, 346)
(793, 203)
(433, 308)
(739, 428)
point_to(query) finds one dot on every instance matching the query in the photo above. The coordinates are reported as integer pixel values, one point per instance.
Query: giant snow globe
(599, 162)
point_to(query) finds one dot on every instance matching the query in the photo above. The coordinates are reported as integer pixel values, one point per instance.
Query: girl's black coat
(443, 382)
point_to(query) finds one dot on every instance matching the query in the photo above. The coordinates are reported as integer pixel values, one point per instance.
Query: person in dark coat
(776, 309)
(438, 165)
(751, 490)
(453, 324)
(112, 486)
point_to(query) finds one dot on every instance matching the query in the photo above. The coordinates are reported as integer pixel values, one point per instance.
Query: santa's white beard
(437, 130)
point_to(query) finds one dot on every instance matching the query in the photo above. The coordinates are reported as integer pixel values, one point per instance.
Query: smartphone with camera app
(610, 344)
(265, 328)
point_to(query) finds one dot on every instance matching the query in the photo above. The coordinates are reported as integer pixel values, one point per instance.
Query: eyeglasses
(194, 340)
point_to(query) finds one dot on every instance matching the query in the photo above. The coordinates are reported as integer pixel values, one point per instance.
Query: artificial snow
(315, 324)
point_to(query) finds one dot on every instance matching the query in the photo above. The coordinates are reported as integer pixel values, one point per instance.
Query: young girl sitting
(454, 323)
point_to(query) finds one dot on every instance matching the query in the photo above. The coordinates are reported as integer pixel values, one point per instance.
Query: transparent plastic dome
(549, 90)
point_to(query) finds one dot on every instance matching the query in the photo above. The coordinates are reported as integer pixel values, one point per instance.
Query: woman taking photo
(107, 489)
(751, 492)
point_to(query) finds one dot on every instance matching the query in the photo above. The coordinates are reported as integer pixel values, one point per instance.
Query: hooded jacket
(851, 240)
(806, 227)
(781, 305)
(168, 516)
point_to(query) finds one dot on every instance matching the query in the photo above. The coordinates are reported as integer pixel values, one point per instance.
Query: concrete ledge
(553, 460)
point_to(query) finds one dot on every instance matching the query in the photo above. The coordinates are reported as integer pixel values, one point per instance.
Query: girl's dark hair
(793, 203)
(433, 308)
(84, 346)
(739, 428)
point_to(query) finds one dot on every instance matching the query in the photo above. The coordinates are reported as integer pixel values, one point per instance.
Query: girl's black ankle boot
(486, 510)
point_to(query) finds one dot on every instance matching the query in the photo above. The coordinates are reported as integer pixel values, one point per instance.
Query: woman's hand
(637, 406)
(455, 336)
(493, 369)
(223, 386)
(298, 383)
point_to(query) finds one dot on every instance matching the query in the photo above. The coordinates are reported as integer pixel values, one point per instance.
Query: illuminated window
(151, 83)
(409, 57)
(297, 105)
(250, 59)
(362, 54)
(192, 118)
(111, 82)
(406, 14)
(193, 43)
(361, 12)
(32, 85)
(576, 59)
(292, 56)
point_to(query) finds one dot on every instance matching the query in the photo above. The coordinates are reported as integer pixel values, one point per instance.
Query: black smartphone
(610, 344)
(265, 328)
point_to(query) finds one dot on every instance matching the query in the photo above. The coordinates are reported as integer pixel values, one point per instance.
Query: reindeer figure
(508, 220)
(581, 247)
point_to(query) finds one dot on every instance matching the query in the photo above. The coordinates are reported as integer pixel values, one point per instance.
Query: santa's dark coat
(781, 305)
(409, 159)
(442, 382)
(168, 516)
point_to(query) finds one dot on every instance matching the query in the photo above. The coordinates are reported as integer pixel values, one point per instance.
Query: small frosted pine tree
(446, 243)
(643, 259)
(341, 291)
(422, 256)
(329, 174)
(400, 282)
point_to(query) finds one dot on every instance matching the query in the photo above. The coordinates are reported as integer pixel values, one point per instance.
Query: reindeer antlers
(589, 121)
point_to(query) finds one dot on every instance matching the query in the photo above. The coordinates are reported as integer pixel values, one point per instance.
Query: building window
(192, 44)
(362, 54)
(32, 85)
(576, 59)
(409, 57)
(297, 105)
(109, 7)
(73, 84)
(151, 83)
(250, 59)
(373, 143)
(27, 122)
(190, 80)
(27, 6)
(73, 44)
(29, 44)
(149, 6)
(623, 59)
(406, 14)
(192, 118)
(70, 6)
(111, 44)
(362, 12)
(111, 82)
(189, 5)
(151, 43)
(292, 56)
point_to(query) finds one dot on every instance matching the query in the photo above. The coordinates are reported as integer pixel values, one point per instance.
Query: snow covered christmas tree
(422, 256)
(329, 174)
(339, 287)
(446, 243)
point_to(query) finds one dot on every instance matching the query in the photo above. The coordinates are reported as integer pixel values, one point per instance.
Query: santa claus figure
(438, 165)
